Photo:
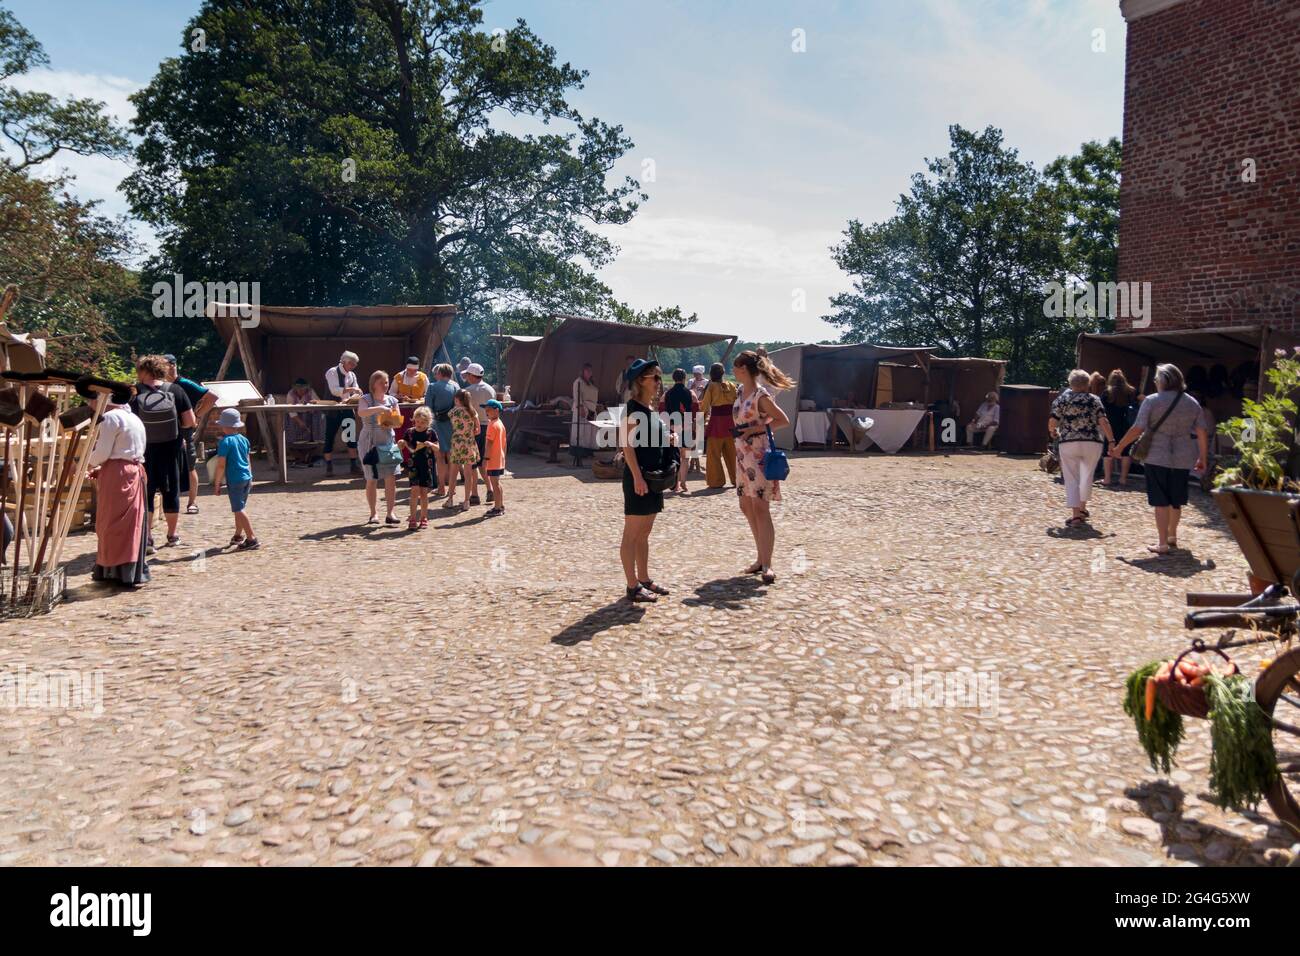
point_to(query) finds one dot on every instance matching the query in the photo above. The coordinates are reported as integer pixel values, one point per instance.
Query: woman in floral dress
(464, 447)
(754, 412)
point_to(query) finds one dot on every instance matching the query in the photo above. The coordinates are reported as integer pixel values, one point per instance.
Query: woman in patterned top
(755, 411)
(1078, 423)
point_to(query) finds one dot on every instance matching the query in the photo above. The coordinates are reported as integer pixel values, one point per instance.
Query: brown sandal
(638, 595)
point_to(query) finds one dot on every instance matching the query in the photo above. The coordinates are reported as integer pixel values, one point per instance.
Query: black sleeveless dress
(650, 438)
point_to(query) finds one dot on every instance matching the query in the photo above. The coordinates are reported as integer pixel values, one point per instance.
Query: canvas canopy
(1138, 353)
(289, 341)
(541, 367)
(863, 374)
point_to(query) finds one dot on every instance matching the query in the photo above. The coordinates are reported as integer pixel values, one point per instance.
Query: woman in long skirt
(120, 512)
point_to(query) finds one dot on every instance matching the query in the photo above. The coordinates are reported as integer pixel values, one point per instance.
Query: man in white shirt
(986, 420)
(341, 380)
(480, 393)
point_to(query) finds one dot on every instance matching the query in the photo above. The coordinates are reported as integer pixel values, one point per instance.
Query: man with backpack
(165, 410)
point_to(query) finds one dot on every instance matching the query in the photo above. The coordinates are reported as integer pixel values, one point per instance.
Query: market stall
(1220, 365)
(284, 342)
(541, 369)
(876, 394)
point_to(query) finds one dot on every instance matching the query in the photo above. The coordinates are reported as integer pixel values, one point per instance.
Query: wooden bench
(535, 439)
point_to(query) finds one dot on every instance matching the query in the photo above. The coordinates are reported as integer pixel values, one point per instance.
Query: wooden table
(282, 413)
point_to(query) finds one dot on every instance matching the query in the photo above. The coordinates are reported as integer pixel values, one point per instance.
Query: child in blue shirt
(233, 466)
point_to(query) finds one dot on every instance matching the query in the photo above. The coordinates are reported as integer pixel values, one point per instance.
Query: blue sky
(760, 154)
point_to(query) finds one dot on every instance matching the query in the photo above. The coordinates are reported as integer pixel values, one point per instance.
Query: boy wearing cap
(494, 462)
(233, 466)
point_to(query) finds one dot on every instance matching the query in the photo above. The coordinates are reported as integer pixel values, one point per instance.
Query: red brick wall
(1208, 84)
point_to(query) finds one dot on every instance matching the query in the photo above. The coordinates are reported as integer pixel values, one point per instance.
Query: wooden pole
(64, 526)
(255, 374)
(55, 512)
(528, 382)
(22, 500)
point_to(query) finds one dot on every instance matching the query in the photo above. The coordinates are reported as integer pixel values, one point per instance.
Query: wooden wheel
(1277, 691)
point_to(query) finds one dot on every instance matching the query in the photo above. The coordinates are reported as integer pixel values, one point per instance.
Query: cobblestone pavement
(474, 693)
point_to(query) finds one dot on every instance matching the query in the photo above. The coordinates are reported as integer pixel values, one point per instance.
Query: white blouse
(121, 435)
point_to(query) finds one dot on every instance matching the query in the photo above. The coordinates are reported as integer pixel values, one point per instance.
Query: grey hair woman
(1170, 416)
(1078, 423)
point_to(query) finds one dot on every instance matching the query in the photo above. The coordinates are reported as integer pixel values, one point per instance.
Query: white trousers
(1078, 464)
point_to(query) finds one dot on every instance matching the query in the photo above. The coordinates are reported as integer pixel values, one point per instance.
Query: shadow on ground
(619, 613)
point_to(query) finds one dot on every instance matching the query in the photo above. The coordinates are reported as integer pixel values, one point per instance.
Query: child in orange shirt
(494, 455)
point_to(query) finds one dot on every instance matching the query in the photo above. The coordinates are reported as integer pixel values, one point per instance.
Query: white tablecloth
(893, 426)
(890, 430)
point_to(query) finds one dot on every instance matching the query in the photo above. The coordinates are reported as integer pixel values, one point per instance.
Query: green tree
(353, 151)
(1087, 187)
(965, 261)
(67, 260)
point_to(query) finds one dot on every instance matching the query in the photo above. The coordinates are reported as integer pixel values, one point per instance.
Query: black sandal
(638, 595)
(654, 588)
(769, 577)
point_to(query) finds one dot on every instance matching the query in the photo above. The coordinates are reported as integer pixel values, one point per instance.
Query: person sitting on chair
(986, 420)
(303, 432)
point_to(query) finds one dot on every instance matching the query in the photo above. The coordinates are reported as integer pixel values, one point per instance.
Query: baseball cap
(493, 403)
(474, 369)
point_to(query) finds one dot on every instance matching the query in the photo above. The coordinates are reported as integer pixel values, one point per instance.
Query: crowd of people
(1100, 419)
(450, 436)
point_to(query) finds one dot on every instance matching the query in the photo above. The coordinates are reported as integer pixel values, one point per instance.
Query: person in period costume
(117, 462)
(301, 429)
(341, 380)
(409, 387)
(719, 441)
(755, 412)
(586, 403)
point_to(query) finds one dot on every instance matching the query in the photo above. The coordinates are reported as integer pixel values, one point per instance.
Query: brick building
(1210, 197)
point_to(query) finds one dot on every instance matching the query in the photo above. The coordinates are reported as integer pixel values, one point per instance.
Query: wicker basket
(1179, 697)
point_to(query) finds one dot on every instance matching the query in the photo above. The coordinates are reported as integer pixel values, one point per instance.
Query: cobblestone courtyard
(474, 693)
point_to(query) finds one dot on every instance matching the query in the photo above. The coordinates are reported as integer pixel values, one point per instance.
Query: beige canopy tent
(866, 375)
(541, 367)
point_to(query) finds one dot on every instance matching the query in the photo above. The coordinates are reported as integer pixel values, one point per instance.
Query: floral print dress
(464, 436)
(750, 480)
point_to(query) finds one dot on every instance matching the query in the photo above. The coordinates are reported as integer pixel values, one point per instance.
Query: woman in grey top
(1174, 415)
(379, 413)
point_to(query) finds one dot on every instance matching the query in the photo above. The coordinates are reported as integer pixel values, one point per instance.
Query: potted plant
(1255, 495)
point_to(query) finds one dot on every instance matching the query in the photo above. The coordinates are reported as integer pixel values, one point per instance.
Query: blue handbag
(388, 454)
(776, 466)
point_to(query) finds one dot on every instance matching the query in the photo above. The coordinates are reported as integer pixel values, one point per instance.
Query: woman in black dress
(644, 439)
(1118, 401)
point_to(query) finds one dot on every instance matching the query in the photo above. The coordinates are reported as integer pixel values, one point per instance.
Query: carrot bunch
(1159, 729)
